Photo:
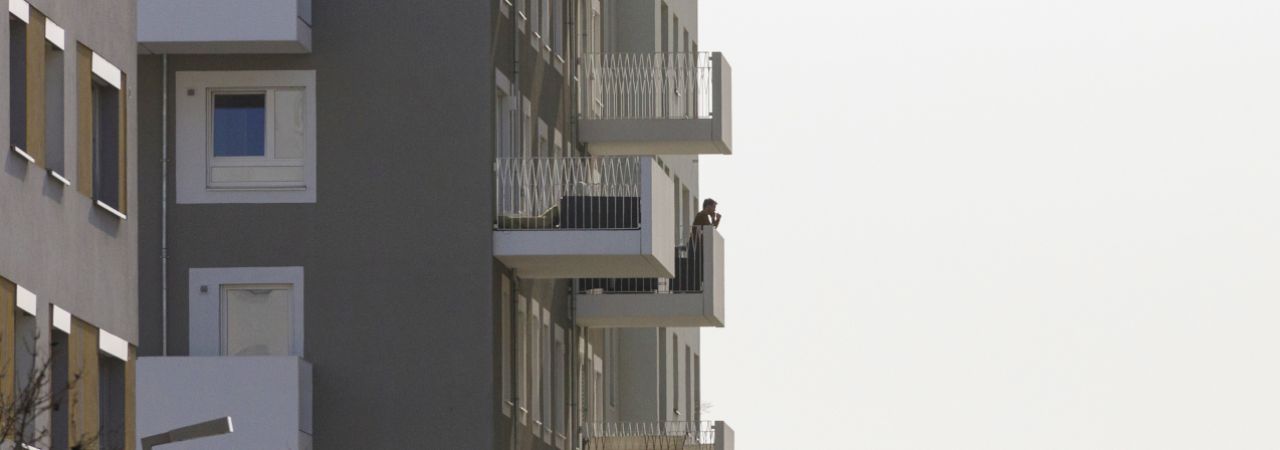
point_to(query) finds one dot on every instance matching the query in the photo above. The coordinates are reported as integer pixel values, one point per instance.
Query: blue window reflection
(239, 124)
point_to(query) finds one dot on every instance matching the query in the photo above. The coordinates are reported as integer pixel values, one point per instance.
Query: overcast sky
(999, 224)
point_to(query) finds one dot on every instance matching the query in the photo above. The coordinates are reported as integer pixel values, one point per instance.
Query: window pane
(239, 124)
(257, 321)
(290, 115)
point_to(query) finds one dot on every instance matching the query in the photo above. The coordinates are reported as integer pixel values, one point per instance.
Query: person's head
(709, 205)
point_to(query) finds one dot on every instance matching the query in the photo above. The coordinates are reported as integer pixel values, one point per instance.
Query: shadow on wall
(15, 165)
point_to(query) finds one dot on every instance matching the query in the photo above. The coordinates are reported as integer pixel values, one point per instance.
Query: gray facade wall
(53, 240)
(397, 249)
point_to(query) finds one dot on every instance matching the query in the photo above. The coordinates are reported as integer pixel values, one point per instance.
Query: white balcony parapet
(692, 297)
(571, 217)
(268, 397)
(657, 104)
(657, 436)
(224, 26)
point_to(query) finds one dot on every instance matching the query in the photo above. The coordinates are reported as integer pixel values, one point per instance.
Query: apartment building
(428, 224)
(68, 232)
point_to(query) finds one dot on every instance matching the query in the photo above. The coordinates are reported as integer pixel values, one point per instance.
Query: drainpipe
(519, 140)
(164, 205)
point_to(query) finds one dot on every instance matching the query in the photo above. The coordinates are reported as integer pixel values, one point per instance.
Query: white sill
(23, 154)
(506, 7)
(61, 179)
(111, 210)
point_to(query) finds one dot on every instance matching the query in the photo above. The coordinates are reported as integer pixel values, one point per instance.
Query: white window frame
(268, 158)
(205, 307)
(193, 100)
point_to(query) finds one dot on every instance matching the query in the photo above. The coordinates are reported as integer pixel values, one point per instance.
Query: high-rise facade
(428, 224)
(68, 224)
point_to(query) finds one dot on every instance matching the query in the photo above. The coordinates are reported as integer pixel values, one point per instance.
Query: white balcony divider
(649, 85)
(650, 436)
(564, 193)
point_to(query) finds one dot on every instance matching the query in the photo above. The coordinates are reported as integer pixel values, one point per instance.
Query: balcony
(657, 436)
(268, 398)
(657, 104)
(584, 217)
(224, 26)
(693, 297)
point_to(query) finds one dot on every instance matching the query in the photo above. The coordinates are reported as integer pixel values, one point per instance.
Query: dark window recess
(111, 398)
(106, 144)
(17, 83)
(58, 432)
(239, 125)
(54, 139)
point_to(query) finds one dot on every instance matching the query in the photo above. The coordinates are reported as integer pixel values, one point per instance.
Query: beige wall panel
(83, 399)
(35, 87)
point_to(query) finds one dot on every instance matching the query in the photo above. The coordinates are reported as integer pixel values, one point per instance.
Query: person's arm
(716, 221)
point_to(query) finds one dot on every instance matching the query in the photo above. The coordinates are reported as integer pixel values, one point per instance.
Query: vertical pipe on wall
(164, 205)
(515, 278)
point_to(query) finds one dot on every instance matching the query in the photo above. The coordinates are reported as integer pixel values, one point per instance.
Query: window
(666, 31)
(101, 155)
(522, 362)
(535, 366)
(535, 21)
(111, 402)
(527, 130)
(107, 161)
(24, 352)
(597, 388)
(54, 106)
(258, 139)
(256, 320)
(547, 398)
(544, 146)
(675, 372)
(246, 311)
(559, 423)
(614, 357)
(18, 85)
(504, 303)
(697, 393)
(557, 26)
(504, 108)
(246, 137)
(60, 367)
(545, 16)
(688, 381)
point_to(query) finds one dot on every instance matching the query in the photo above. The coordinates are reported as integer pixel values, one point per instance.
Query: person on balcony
(708, 216)
(689, 269)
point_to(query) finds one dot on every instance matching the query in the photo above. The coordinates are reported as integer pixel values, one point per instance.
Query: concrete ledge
(224, 26)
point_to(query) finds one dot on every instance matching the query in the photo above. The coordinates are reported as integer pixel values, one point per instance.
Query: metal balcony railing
(562, 193)
(689, 274)
(649, 85)
(649, 436)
